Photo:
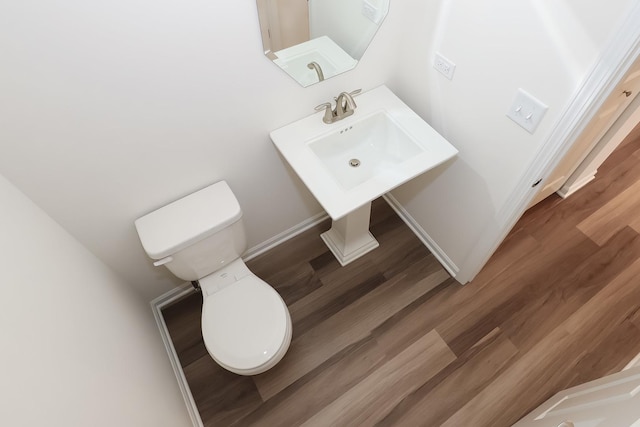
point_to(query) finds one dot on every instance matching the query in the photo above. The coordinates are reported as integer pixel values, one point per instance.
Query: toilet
(246, 326)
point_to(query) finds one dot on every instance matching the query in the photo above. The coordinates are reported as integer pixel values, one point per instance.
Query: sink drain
(354, 163)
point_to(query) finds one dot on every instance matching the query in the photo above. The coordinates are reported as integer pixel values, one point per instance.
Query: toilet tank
(196, 235)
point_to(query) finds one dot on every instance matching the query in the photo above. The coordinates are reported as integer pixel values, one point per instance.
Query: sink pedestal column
(349, 237)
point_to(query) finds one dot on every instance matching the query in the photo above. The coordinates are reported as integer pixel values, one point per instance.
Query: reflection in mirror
(317, 39)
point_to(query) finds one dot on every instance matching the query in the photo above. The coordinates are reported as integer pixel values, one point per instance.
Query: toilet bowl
(246, 326)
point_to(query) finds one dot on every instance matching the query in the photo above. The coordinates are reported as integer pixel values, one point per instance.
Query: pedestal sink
(349, 163)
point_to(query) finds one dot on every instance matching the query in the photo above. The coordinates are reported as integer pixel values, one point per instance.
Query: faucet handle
(352, 93)
(323, 106)
(328, 113)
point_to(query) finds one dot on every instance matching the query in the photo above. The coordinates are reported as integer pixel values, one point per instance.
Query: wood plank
(221, 396)
(301, 248)
(435, 401)
(510, 292)
(608, 220)
(609, 356)
(314, 391)
(293, 281)
(183, 319)
(343, 285)
(516, 248)
(635, 318)
(548, 306)
(343, 329)
(547, 366)
(286, 267)
(614, 176)
(375, 396)
(329, 300)
(409, 324)
(404, 248)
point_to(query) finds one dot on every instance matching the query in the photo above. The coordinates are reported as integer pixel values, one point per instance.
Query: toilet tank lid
(188, 220)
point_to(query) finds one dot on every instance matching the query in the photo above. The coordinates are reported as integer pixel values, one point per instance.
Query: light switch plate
(526, 110)
(370, 11)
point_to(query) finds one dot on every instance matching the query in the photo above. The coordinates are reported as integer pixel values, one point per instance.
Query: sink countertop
(293, 143)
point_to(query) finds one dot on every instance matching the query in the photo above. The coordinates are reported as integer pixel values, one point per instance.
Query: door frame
(615, 135)
(621, 52)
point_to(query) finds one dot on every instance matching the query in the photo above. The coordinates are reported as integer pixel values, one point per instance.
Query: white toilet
(246, 326)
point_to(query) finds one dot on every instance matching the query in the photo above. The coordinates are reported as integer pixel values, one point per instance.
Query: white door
(288, 23)
(613, 107)
(612, 401)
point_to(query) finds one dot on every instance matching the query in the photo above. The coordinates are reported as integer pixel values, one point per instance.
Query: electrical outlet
(526, 110)
(445, 66)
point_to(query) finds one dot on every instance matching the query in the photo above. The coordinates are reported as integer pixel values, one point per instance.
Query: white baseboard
(633, 363)
(278, 239)
(156, 306)
(426, 240)
(566, 191)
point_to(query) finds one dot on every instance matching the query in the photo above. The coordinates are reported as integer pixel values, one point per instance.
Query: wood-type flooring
(392, 340)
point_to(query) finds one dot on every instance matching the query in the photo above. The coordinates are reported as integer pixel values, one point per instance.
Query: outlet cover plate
(527, 111)
(444, 65)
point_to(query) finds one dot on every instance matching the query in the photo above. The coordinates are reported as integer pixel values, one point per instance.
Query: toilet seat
(246, 326)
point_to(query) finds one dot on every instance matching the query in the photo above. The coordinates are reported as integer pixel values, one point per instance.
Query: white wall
(79, 346)
(110, 110)
(544, 46)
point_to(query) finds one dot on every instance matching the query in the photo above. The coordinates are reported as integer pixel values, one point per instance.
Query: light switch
(527, 111)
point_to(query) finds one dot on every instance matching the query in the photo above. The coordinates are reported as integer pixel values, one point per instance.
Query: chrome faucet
(315, 66)
(345, 106)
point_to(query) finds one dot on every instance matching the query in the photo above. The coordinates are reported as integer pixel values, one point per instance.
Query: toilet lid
(244, 324)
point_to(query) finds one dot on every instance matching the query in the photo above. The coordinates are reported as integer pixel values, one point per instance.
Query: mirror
(314, 40)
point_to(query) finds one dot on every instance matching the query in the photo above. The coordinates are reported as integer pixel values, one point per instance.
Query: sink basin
(390, 141)
(370, 147)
